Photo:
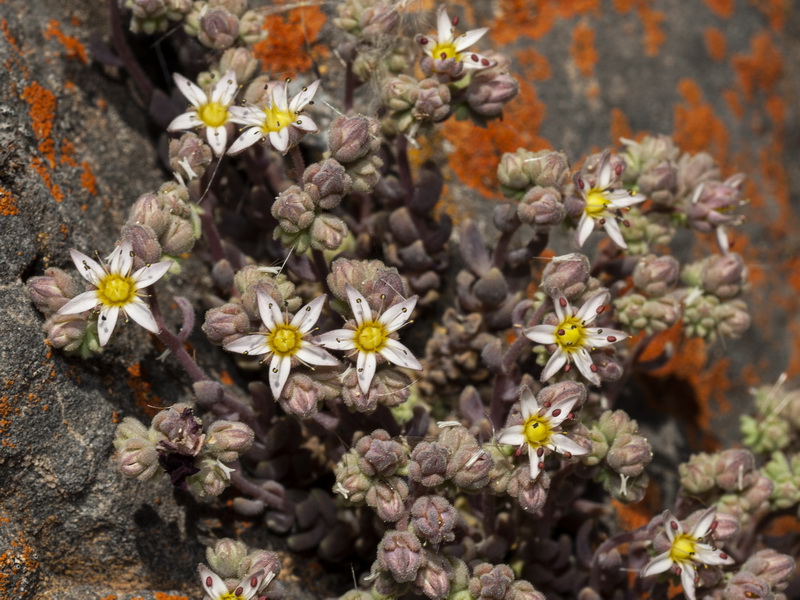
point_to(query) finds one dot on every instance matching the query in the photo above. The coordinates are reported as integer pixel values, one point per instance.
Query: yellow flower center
(570, 334)
(596, 203)
(230, 596)
(537, 431)
(444, 51)
(682, 548)
(276, 119)
(371, 336)
(213, 114)
(285, 340)
(116, 290)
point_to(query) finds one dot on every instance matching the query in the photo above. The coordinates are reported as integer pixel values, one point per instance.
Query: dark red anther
(556, 412)
(600, 309)
(474, 58)
(673, 525)
(547, 404)
(567, 368)
(626, 222)
(618, 170)
(562, 302)
(455, 21)
(485, 62)
(677, 570)
(540, 464)
(540, 451)
(253, 581)
(209, 581)
(518, 452)
(561, 332)
(570, 416)
(593, 367)
(581, 184)
(714, 525)
(423, 41)
(567, 454)
(611, 338)
(602, 221)
(238, 591)
(443, 55)
(723, 556)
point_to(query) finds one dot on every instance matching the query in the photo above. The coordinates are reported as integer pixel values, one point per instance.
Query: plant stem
(404, 167)
(349, 86)
(299, 164)
(124, 51)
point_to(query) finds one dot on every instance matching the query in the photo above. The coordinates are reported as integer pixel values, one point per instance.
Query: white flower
(212, 113)
(116, 289)
(372, 337)
(573, 338)
(281, 122)
(541, 430)
(688, 551)
(284, 340)
(246, 589)
(601, 200)
(448, 45)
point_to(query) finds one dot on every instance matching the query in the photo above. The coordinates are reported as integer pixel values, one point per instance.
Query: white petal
(584, 363)
(358, 304)
(444, 26)
(250, 344)
(585, 228)
(88, 268)
(225, 89)
(562, 311)
(541, 334)
(565, 407)
(280, 97)
(306, 123)
(660, 564)
(279, 370)
(723, 243)
(623, 198)
(557, 360)
(249, 137)
(473, 60)
(217, 139)
(338, 339)
(703, 524)
(601, 340)
(304, 97)
(710, 556)
(669, 519)
(191, 92)
(512, 436)
(612, 229)
(687, 579)
(269, 310)
(280, 139)
(466, 40)
(311, 354)
(563, 445)
(306, 317)
(534, 463)
(588, 312)
(250, 584)
(105, 323)
(80, 303)
(120, 260)
(247, 115)
(188, 120)
(604, 175)
(397, 353)
(148, 275)
(365, 368)
(527, 403)
(140, 313)
(213, 585)
(396, 316)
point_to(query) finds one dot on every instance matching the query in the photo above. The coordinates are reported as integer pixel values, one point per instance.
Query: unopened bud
(218, 29)
(732, 318)
(365, 173)
(723, 275)
(428, 464)
(433, 578)
(328, 232)
(629, 454)
(772, 566)
(388, 497)
(71, 332)
(566, 276)
(524, 590)
(251, 28)
(531, 494)
(52, 290)
(326, 182)
(137, 457)
(400, 93)
(224, 558)
(226, 324)
(490, 89)
(433, 519)
(294, 209)
(746, 586)
(351, 138)
(490, 582)
(541, 206)
(211, 480)
(190, 155)
(656, 275)
(400, 553)
(144, 243)
(227, 440)
(433, 101)
(380, 454)
(301, 396)
(733, 469)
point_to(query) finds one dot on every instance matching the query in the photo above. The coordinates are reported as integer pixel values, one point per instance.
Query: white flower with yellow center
(688, 551)
(246, 589)
(281, 122)
(372, 336)
(449, 45)
(284, 340)
(573, 338)
(541, 430)
(601, 202)
(212, 112)
(116, 289)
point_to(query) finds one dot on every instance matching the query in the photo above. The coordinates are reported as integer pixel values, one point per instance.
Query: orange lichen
(760, 70)
(67, 153)
(776, 11)
(582, 50)
(535, 66)
(651, 21)
(41, 169)
(88, 180)
(519, 19)
(143, 391)
(291, 43)
(8, 206)
(42, 107)
(715, 43)
(721, 8)
(776, 109)
(620, 128)
(697, 127)
(74, 49)
(734, 101)
(163, 596)
(21, 555)
(15, 59)
(226, 378)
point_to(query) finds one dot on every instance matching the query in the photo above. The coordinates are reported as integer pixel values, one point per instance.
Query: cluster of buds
(176, 443)
(621, 454)
(776, 424)
(455, 457)
(234, 571)
(783, 472)
(498, 582)
(221, 24)
(404, 565)
(651, 307)
(355, 141)
(728, 479)
(412, 105)
(164, 225)
(764, 575)
(151, 16)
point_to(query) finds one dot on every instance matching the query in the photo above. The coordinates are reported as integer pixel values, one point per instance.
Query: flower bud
(189, 155)
(351, 482)
(218, 29)
(301, 396)
(490, 89)
(723, 275)
(148, 210)
(144, 244)
(72, 333)
(428, 464)
(260, 560)
(400, 93)
(502, 469)
(629, 454)
(227, 440)
(241, 61)
(659, 184)
(351, 138)
(531, 494)
(566, 275)
(433, 519)
(294, 209)
(225, 557)
(608, 366)
(433, 101)
(400, 553)
(524, 590)
(237, 7)
(326, 182)
(365, 173)
(745, 586)
(183, 431)
(328, 232)
(732, 318)
(468, 466)
(733, 469)
(251, 28)
(434, 576)
(490, 582)
(380, 455)
(771, 566)
(149, 16)
(211, 480)
(648, 154)
(226, 324)
(382, 286)
(137, 457)
(387, 498)
(562, 392)
(656, 275)
(52, 290)
(697, 476)
(541, 206)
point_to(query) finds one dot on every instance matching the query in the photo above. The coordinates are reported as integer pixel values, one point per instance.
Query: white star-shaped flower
(573, 338)
(116, 289)
(212, 112)
(246, 589)
(281, 122)
(284, 340)
(541, 430)
(601, 200)
(688, 551)
(446, 44)
(373, 336)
